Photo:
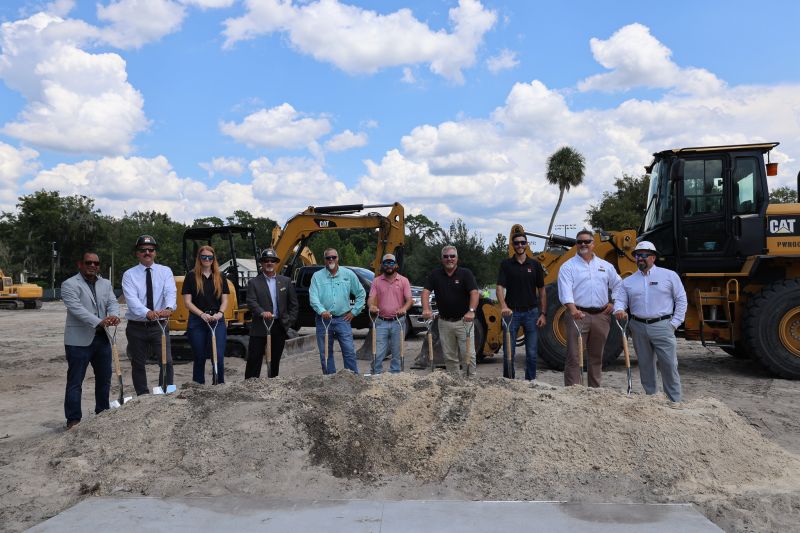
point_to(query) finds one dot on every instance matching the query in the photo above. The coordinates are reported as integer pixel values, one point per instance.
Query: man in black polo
(457, 298)
(520, 291)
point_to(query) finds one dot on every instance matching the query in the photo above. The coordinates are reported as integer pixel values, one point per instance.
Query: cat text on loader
(19, 295)
(709, 216)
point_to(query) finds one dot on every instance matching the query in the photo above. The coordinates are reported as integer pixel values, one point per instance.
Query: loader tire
(772, 327)
(552, 337)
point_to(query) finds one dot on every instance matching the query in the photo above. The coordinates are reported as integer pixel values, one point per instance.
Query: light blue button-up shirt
(332, 293)
(272, 285)
(134, 286)
(657, 293)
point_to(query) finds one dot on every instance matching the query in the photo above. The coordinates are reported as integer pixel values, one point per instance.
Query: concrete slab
(238, 513)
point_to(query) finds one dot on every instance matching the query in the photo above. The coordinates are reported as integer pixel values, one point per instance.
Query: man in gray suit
(91, 305)
(270, 298)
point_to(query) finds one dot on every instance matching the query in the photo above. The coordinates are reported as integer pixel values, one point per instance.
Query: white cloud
(208, 4)
(346, 140)
(278, 127)
(14, 164)
(77, 101)
(226, 166)
(637, 59)
(357, 40)
(505, 60)
(133, 23)
(408, 76)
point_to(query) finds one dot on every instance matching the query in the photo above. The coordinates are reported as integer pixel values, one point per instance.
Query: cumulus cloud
(77, 101)
(133, 23)
(346, 140)
(226, 166)
(15, 163)
(637, 59)
(357, 40)
(278, 127)
(505, 60)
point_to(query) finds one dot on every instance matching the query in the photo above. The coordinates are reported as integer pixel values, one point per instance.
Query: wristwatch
(471, 310)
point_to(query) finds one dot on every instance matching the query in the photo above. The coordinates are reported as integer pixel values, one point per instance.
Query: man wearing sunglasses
(329, 296)
(457, 298)
(389, 298)
(657, 302)
(150, 293)
(270, 297)
(584, 284)
(91, 305)
(521, 294)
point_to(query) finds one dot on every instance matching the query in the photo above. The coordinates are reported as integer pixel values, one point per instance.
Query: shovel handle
(430, 349)
(402, 345)
(115, 357)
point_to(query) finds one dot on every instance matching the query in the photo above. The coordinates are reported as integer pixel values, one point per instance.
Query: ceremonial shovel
(627, 353)
(163, 388)
(268, 345)
(112, 338)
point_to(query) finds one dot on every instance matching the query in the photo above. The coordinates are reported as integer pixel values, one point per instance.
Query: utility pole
(53, 268)
(565, 227)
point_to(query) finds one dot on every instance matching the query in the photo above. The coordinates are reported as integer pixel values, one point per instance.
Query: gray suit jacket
(83, 313)
(259, 300)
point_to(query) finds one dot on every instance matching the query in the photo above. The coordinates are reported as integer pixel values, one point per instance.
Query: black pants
(255, 352)
(144, 340)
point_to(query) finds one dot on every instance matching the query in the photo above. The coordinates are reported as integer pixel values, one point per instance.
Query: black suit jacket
(259, 300)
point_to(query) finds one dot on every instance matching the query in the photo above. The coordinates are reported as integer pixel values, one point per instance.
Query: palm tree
(565, 168)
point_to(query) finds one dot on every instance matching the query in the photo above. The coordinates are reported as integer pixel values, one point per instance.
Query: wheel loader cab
(706, 207)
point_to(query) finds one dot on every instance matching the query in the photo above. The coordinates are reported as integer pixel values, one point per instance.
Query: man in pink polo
(389, 298)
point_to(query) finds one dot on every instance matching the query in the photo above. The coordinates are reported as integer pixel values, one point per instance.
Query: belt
(459, 319)
(591, 310)
(651, 320)
(145, 323)
(387, 319)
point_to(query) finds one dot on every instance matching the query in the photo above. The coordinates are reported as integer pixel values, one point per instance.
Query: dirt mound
(411, 437)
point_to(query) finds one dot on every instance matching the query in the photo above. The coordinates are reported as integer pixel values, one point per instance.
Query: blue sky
(200, 107)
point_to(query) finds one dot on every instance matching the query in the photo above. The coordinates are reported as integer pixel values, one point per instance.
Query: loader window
(744, 193)
(659, 197)
(702, 188)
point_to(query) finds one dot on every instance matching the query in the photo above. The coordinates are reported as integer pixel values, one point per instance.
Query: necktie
(150, 304)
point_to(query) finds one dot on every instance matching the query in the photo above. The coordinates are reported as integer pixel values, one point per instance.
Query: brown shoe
(72, 423)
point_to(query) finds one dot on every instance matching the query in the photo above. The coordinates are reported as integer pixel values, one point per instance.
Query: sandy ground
(733, 450)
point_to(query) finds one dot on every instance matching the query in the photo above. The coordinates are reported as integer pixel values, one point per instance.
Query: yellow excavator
(19, 295)
(709, 216)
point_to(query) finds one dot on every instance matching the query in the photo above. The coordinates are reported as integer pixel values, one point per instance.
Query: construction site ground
(732, 451)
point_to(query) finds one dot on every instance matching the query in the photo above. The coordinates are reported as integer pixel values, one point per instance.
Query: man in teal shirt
(330, 298)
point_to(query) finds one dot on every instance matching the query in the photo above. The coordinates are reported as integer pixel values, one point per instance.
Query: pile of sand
(411, 437)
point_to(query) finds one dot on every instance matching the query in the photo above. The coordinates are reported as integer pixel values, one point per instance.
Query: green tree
(783, 195)
(565, 168)
(496, 252)
(207, 222)
(263, 226)
(622, 208)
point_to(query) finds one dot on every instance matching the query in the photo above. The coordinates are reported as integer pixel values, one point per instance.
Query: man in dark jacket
(272, 300)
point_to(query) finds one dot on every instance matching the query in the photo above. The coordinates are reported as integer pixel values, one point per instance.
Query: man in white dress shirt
(657, 302)
(584, 285)
(150, 293)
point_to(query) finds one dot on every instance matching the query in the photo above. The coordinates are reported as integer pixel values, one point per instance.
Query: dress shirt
(272, 285)
(134, 287)
(658, 292)
(586, 284)
(332, 293)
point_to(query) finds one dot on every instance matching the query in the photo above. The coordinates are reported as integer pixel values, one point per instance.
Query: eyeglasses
(642, 255)
(389, 263)
(92, 263)
(206, 257)
(146, 250)
(520, 243)
(269, 260)
(584, 241)
(331, 257)
(449, 256)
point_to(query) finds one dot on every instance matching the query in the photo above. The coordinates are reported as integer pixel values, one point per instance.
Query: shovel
(400, 320)
(325, 349)
(214, 374)
(580, 348)
(374, 319)
(112, 338)
(429, 335)
(508, 361)
(627, 353)
(163, 388)
(268, 345)
(468, 329)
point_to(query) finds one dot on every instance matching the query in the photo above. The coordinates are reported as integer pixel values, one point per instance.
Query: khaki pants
(594, 330)
(453, 338)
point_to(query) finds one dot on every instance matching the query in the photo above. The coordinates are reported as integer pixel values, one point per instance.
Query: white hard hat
(646, 245)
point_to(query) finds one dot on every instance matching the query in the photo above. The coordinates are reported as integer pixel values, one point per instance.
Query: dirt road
(742, 471)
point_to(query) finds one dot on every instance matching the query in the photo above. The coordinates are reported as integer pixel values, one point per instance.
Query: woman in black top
(205, 293)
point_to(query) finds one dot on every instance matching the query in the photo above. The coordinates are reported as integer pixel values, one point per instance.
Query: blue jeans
(200, 339)
(98, 354)
(341, 329)
(387, 331)
(527, 321)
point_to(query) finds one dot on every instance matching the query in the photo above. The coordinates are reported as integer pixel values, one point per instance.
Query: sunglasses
(584, 241)
(92, 263)
(449, 256)
(269, 260)
(390, 263)
(146, 250)
(520, 243)
(642, 255)
(331, 257)
(206, 257)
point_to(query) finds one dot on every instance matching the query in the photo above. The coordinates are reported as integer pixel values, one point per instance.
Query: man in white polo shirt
(657, 303)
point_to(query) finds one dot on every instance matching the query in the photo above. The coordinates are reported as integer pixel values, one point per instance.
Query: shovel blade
(158, 390)
(115, 404)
